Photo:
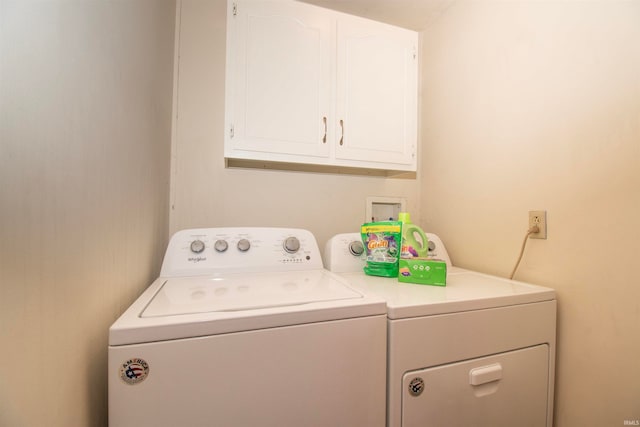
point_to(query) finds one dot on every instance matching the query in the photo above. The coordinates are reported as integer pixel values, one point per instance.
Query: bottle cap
(404, 217)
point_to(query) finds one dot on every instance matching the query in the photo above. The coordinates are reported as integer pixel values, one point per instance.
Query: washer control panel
(242, 249)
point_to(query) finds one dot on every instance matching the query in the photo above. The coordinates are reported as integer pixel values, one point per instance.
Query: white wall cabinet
(311, 86)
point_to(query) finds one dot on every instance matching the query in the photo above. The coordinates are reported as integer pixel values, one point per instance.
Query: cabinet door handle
(324, 138)
(341, 132)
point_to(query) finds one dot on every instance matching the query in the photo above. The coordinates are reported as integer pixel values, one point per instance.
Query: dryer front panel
(506, 389)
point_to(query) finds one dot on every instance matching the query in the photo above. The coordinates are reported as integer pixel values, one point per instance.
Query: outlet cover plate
(538, 218)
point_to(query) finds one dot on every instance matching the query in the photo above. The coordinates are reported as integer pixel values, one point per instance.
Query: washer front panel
(324, 373)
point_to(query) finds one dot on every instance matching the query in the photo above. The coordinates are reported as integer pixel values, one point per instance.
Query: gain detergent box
(423, 271)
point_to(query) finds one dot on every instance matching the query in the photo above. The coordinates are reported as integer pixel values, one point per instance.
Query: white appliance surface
(183, 307)
(465, 290)
(478, 351)
(245, 327)
(186, 295)
(494, 382)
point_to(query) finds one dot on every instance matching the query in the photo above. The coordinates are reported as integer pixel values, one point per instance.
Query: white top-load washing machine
(244, 327)
(478, 352)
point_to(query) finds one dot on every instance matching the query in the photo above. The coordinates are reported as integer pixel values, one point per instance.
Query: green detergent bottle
(414, 241)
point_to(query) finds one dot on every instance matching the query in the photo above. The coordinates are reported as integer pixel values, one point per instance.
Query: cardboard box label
(423, 271)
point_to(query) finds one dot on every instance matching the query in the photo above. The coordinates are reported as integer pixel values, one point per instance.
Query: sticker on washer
(416, 386)
(134, 371)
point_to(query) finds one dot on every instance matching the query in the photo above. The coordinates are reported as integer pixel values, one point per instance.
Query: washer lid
(465, 291)
(237, 292)
(177, 308)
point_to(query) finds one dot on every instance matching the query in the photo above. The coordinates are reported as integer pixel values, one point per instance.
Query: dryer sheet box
(423, 271)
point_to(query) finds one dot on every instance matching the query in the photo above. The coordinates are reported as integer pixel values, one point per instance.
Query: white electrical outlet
(538, 218)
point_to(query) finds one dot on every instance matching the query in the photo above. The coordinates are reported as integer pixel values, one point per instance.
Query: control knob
(220, 245)
(197, 246)
(356, 248)
(244, 245)
(291, 244)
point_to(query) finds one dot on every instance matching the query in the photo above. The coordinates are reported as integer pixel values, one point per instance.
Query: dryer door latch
(485, 374)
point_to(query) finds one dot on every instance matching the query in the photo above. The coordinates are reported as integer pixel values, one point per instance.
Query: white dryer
(244, 327)
(478, 352)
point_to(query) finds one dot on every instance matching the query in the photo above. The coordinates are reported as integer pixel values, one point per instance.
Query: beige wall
(85, 126)
(536, 105)
(528, 105)
(205, 194)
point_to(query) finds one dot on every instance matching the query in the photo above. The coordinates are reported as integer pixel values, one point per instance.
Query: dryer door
(501, 390)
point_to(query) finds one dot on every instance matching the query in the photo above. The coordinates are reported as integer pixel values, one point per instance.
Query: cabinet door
(278, 79)
(508, 389)
(376, 92)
